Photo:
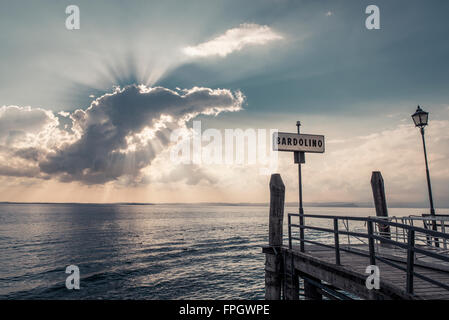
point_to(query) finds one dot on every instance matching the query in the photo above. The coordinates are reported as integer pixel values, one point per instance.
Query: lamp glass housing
(420, 117)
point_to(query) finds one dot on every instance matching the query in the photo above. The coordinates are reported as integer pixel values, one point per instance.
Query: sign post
(300, 157)
(299, 144)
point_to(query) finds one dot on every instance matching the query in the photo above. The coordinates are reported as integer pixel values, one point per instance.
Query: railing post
(410, 260)
(337, 242)
(428, 237)
(289, 231)
(443, 229)
(372, 254)
(437, 241)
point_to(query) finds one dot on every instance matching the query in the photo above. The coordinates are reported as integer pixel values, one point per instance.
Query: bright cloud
(112, 140)
(19, 123)
(232, 40)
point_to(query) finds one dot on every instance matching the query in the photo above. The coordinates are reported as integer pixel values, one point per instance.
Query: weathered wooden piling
(274, 261)
(311, 291)
(380, 201)
(291, 279)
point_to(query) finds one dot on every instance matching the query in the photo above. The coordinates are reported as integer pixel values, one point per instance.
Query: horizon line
(218, 203)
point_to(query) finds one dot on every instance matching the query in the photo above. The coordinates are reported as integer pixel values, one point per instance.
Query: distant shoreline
(227, 204)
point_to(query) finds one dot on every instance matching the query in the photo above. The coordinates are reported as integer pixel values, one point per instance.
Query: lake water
(139, 251)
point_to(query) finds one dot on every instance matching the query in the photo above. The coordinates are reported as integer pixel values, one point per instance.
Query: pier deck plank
(320, 262)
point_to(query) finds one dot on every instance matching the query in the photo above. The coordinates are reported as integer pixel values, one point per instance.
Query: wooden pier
(413, 260)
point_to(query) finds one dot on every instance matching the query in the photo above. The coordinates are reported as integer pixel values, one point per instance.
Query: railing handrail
(378, 220)
(372, 236)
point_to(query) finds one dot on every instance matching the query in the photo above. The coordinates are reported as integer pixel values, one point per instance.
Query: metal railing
(415, 240)
(436, 223)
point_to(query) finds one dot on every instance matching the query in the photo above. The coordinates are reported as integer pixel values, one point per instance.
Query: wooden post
(277, 198)
(410, 261)
(311, 291)
(380, 202)
(273, 262)
(291, 279)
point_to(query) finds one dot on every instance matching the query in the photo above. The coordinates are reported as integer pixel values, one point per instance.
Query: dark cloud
(121, 133)
(32, 154)
(19, 172)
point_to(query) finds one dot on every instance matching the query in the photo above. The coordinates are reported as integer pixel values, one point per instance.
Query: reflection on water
(138, 251)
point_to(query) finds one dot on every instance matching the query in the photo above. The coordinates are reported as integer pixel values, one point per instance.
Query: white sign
(283, 141)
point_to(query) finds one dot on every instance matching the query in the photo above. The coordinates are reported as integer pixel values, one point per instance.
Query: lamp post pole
(420, 118)
(432, 209)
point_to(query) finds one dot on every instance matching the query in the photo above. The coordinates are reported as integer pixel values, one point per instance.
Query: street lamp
(420, 118)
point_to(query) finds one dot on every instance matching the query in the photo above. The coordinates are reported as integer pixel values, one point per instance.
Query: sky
(89, 115)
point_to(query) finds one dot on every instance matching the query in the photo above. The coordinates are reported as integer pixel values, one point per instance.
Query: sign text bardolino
(283, 141)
